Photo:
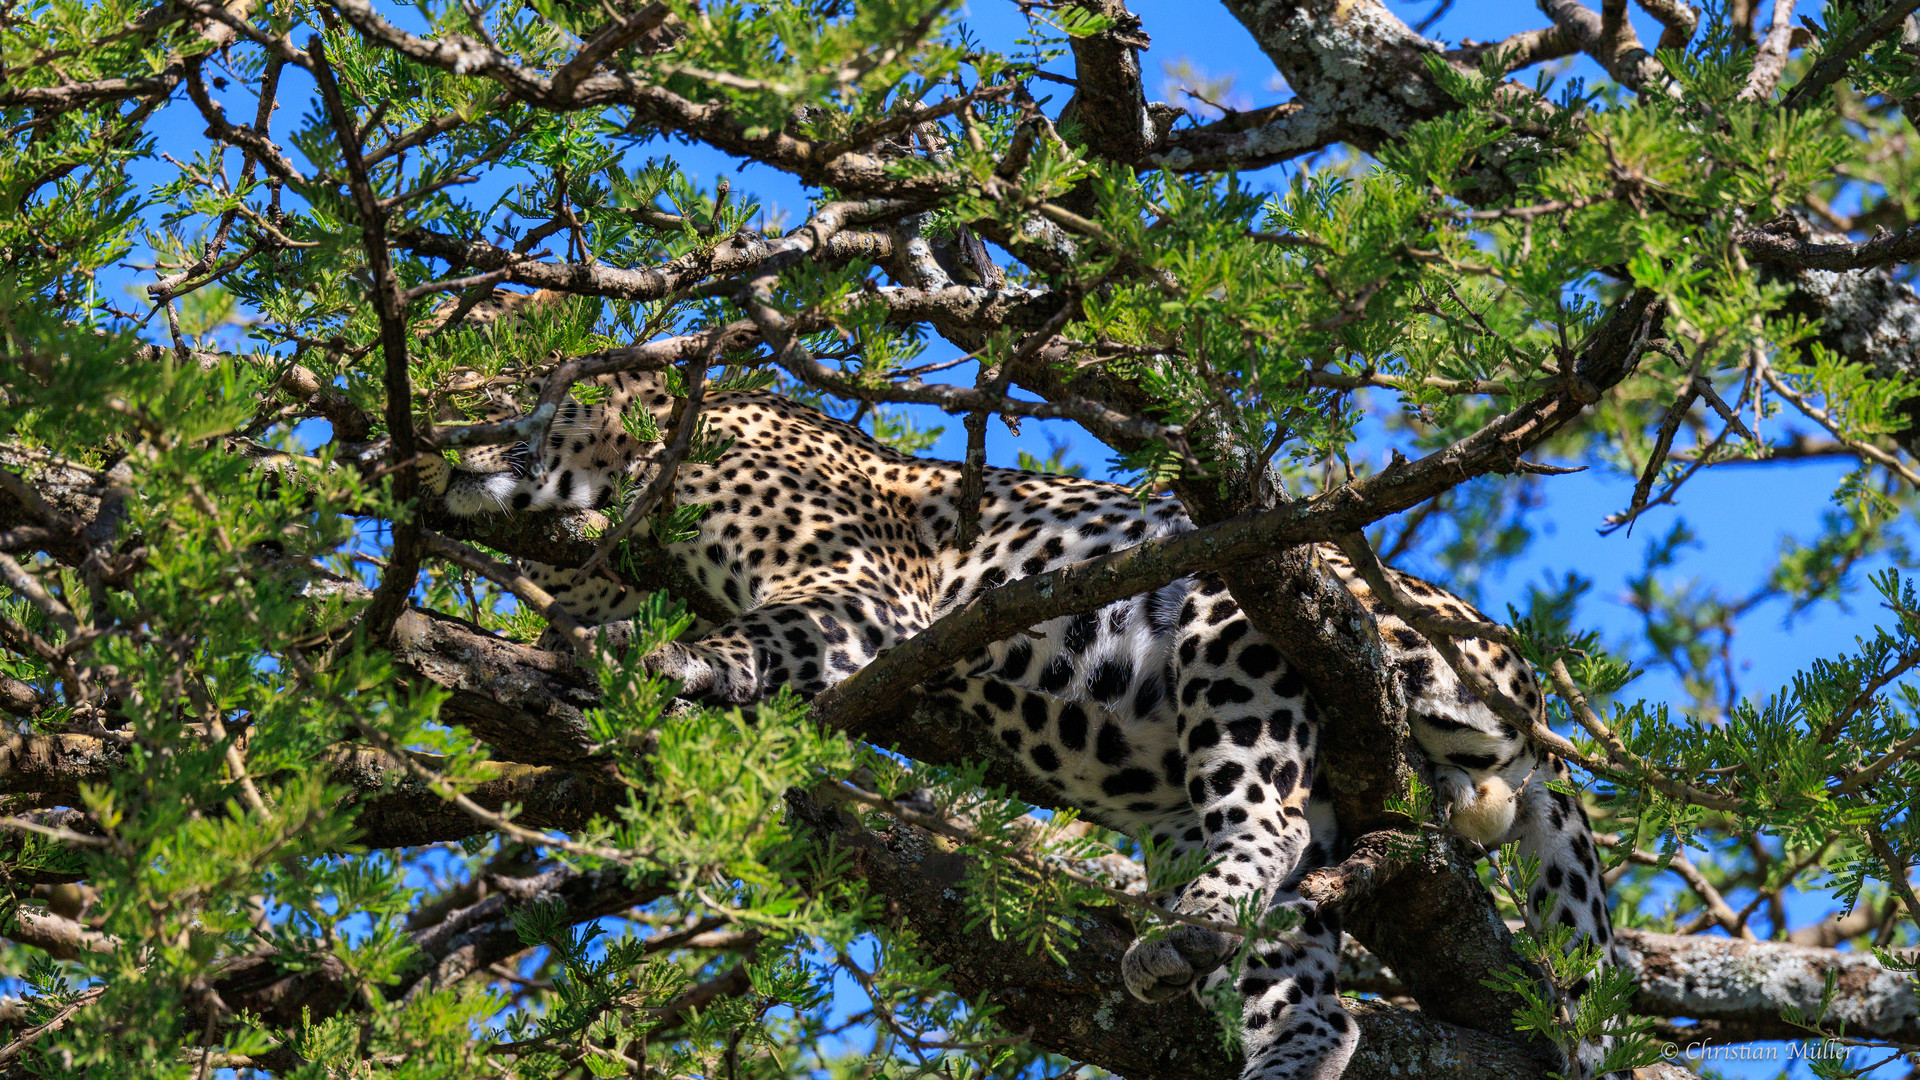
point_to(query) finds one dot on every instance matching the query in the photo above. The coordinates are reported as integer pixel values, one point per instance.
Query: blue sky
(1740, 514)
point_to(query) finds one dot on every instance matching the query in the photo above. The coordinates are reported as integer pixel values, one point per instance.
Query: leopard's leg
(1552, 826)
(1250, 739)
(1249, 750)
(1293, 1024)
(807, 643)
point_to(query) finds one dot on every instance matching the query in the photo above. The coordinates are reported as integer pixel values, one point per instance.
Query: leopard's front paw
(676, 661)
(707, 673)
(613, 637)
(1160, 968)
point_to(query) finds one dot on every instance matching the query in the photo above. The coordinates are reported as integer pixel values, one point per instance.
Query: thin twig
(792, 356)
(1663, 442)
(1872, 771)
(65, 836)
(497, 822)
(1821, 417)
(992, 382)
(54, 1023)
(491, 277)
(522, 588)
(1832, 729)
(236, 761)
(1834, 63)
(1896, 870)
(1711, 900)
(1525, 213)
(693, 375)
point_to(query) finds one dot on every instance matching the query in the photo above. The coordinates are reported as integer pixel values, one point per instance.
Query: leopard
(1167, 716)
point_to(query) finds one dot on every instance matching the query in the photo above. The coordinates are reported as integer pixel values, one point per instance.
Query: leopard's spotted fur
(1166, 715)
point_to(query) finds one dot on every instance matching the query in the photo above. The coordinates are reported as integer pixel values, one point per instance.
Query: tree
(290, 793)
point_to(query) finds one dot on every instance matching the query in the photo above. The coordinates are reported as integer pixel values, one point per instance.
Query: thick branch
(1251, 140)
(1325, 633)
(1743, 986)
(648, 28)
(1082, 1010)
(59, 937)
(1435, 925)
(1611, 42)
(74, 508)
(64, 96)
(1678, 21)
(528, 704)
(1782, 249)
(1770, 60)
(1355, 67)
(1109, 101)
(1867, 315)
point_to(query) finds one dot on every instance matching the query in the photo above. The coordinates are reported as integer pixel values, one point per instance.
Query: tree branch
(817, 163)
(1833, 63)
(1082, 1010)
(740, 254)
(1251, 140)
(1747, 984)
(462, 942)
(1611, 42)
(1771, 59)
(1780, 249)
(1109, 100)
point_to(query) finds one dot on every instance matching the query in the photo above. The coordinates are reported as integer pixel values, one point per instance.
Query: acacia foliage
(306, 851)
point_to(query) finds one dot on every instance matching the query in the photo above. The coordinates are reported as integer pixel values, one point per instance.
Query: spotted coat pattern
(1166, 715)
